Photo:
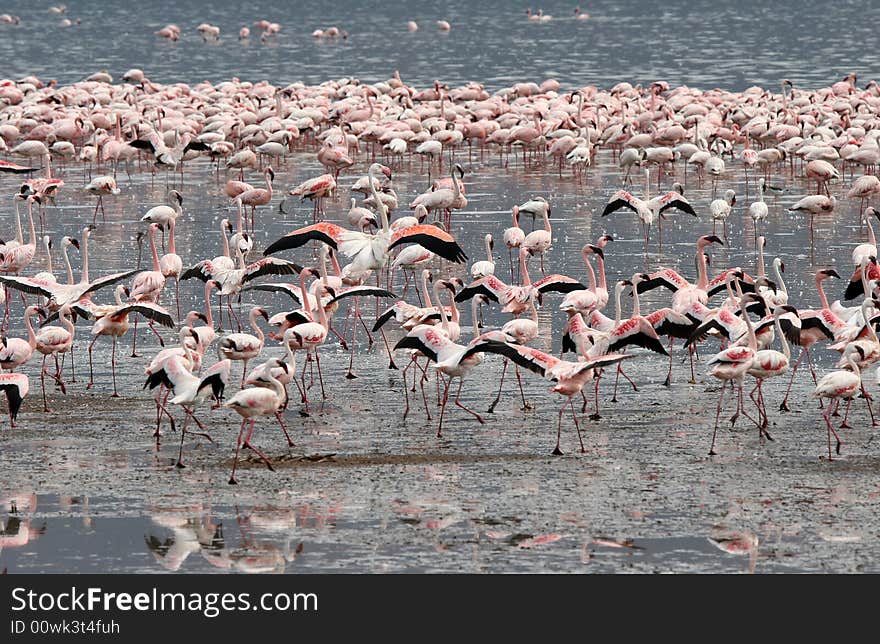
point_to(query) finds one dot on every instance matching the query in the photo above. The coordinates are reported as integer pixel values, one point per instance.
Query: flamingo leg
(500, 385)
(459, 404)
(556, 450)
(712, 451)
(443, 408)
(232, 479)
(247, 443)
(577, 426)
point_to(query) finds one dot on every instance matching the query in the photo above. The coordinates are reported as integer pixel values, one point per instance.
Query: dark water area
(703, 44)
(85, 489)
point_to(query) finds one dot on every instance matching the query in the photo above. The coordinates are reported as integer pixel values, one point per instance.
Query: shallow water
(85, 489)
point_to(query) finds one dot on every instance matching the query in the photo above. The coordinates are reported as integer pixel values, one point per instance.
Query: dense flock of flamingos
(392, 244)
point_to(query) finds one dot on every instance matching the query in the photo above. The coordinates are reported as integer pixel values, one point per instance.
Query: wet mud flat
(365, 491)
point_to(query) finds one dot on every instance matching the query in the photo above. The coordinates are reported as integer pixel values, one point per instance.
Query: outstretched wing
(324, 232)
(149, 310)
(665, 277)
(270, 266)
(490, 287)
(108, 280)
(291, 290)
(435, 240)
(620, 199)
(361, 291)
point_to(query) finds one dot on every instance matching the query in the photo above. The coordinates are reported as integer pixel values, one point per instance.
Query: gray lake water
(85, 489)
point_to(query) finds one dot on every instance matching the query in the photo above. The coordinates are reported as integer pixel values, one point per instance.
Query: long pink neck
(637, 310)
(702, 274)
(255, 326)
(85, 272)
(591, 275)
(208, 314)
(225, 239)
(32, 338)
(171, 247)
(31, 223)
(156, 266)
(602, 284)
(525, 271)
(822, 298)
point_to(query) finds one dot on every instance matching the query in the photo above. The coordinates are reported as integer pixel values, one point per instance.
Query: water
(86, 489)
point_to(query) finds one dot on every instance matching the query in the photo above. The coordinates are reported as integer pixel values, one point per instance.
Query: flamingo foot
(556, 451)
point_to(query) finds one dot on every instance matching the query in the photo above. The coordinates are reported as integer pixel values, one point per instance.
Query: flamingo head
(705, 240)
(175, 196)
(270, 173)
(590, 249)
(259, 310)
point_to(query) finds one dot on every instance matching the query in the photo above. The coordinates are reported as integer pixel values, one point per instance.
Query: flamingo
(844, 383)
(52, 340)
(244, 346)
(570, 377)
(253, 402)
(720, 210)
(758, 210)
(487, 266)
(538, 242)
(15, 386)
(513, 238)
(171, 265)
(258, 196)
(100, 186)
(189, 390)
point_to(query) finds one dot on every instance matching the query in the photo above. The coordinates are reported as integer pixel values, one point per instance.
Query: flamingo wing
(149, 310)
(8, 166)
(270, 266)
(32, 287)
(431, 237)
(524, 356)
(291, 290)
(675, 200)
(490, 287)
(358, 291)
(412, 341)
(620, 199)
(665, 277)
(16, 386)
(324, 232)
(108, 280)
(556, 283)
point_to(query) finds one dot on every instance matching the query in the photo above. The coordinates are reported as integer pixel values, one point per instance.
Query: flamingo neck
(425, 290)
(256, 327)
(225, 238)
(761, 270)
(18, 233)
(65, 321)
(778, 275)
(383, 211)
(871, 332)
(547, 220)
(871, 239)
(31, 224)
(305, 294)
(32, 338)
(602, 283)
(440, 307)
(153, 250)
(786, 348)
(617, 292)
(637, 310)
(527, 281)
(49, 256)
(208, 304)
(591, 275)
(702, 275)
(336, 268)
(516, 217)
(489, 251)
(238, 224)
(85, 257)
(171, 247)
(474, 316)
(822, 298)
